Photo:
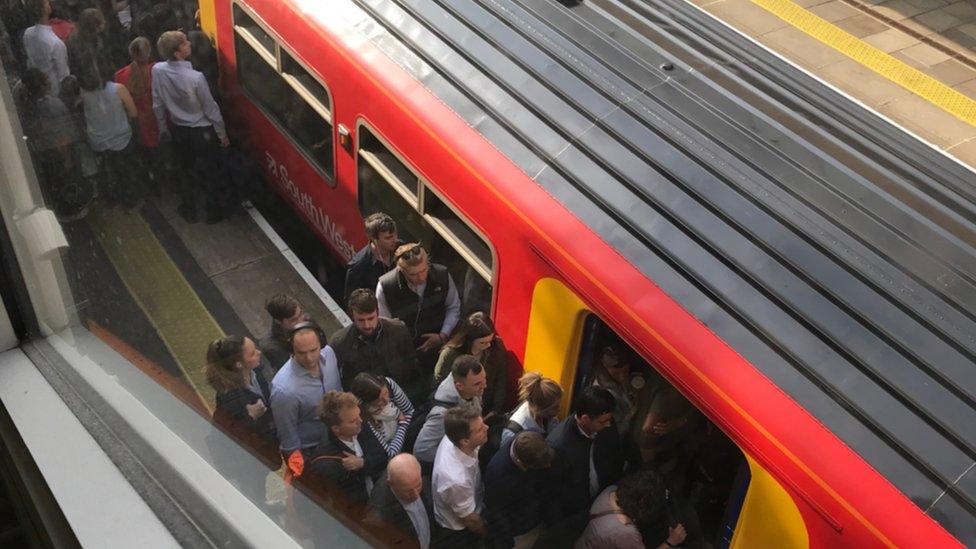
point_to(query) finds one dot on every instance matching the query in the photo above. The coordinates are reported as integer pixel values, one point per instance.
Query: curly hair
(641, 496)
(333, 403)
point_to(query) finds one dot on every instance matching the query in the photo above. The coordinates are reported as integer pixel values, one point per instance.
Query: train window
(292, 98)
(389, 167)
(245, 26)
(387, 184)
(660, 429)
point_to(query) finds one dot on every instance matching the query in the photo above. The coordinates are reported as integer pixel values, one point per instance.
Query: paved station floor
(912, 61)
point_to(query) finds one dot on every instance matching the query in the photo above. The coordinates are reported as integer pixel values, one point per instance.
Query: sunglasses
(408, 254)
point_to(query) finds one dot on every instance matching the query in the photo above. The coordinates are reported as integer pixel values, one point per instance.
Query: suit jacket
(387, 518)
(572, 464)
(327, 477)
(513, 497)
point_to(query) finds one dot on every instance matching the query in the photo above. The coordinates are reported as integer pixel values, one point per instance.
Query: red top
(148, 130)
(61, 27)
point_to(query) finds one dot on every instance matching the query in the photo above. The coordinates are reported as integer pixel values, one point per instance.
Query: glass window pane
(261, 81)
(398, 171)
(243, 20)
(459, 230)
(290, 67)
(310, 131)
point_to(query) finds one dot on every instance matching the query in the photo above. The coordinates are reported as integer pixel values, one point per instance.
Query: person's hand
(431, 341)
(225, 141)
(257, 409)
(676, 535)
(352, 462)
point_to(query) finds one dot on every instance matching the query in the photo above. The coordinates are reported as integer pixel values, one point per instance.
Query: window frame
(274, 59)
(488, 272)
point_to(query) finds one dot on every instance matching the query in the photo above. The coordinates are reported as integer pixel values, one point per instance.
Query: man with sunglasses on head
(423, 295)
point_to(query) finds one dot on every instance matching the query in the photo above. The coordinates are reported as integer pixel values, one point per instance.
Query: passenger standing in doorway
(589, 458)
(186, 110)
(286, 312)
(45, 51)
(376, 258)
(423, 295)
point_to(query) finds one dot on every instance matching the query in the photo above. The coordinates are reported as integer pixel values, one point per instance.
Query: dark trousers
(445, 538)
(123, 177)
(198, 154)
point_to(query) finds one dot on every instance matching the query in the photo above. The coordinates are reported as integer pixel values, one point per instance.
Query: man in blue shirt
(194, 121)
(296, 391)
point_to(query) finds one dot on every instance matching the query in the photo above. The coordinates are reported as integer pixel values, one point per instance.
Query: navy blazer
(389, 521)
(572, 464)
(513, 497)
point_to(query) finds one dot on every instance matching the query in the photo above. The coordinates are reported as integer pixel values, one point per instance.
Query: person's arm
(675, 537)
(475, 523)
(452, 311)
(400, 400)
(158, 102)
(284, 406)
(430, 435)
(460, 498)
(210, 109)
(127, 102)
(384, 309)
(331, 370)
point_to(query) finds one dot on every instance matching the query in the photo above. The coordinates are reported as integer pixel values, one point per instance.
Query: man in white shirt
(458, 492)
(45, 51)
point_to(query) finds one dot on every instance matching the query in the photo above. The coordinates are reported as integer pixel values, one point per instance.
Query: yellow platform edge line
(174, 309)
(899, 72)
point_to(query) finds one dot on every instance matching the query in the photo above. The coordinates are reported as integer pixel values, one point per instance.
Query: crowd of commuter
(117, 102)
(403, 421)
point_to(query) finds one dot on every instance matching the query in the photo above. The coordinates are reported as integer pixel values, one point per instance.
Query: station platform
(158, 290)
(911, 61)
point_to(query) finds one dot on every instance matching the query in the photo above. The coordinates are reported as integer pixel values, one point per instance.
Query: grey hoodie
(425, 448)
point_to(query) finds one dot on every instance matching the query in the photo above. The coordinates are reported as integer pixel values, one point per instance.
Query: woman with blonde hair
(540, 399)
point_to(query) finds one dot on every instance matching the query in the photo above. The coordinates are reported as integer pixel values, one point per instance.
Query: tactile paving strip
(878, 61)
(159, 288)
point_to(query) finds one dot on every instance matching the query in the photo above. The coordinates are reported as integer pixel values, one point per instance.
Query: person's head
(612, 365)
(365, 311)
(306, 344)
(173, 46)
(340, 413)
(464, 427)
(90, 23)
(382, 232)
(544, 395)
(38, 10)
(228, 358)
(470, 378)
(411, 260)
(372, 391)
(36, 83)
(532, 451)
(404, 477)
(285, 311)
(140, 50)
(475, 334)
(641, 496)
(594, 409)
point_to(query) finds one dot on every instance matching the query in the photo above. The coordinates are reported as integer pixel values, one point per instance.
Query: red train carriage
(584, 182)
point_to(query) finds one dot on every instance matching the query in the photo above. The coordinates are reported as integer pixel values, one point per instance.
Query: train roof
(832, 252)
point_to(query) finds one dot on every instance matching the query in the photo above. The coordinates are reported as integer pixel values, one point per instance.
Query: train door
(706, 473)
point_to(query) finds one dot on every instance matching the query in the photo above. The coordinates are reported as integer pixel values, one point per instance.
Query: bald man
(399, 508)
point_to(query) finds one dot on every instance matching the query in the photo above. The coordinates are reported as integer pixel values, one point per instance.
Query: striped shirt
(402, 403)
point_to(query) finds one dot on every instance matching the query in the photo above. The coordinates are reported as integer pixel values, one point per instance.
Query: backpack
(496, 426)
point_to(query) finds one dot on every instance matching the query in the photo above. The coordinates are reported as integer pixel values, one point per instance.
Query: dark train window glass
(244, 22)
(705, 472)
(291, 67)
(300, 121)
(377, 194)
(382, 159)
(463, 235)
